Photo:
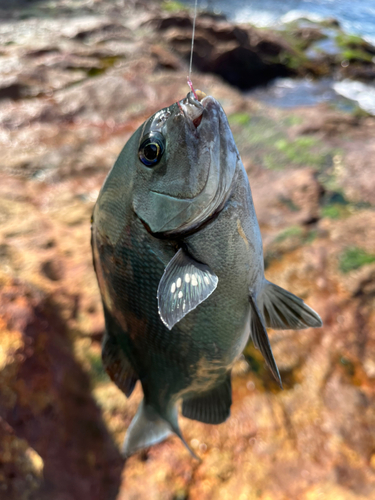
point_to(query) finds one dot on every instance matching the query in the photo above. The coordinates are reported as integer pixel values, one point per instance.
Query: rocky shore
(77, 78)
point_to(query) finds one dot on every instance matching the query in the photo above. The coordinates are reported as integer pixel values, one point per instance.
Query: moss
(254, 358)
(265, 140)
(294, 60)
(336, 206)
(293, 33)
(354, 48)
(92, 72)
(172, 6)
(293, 120)
(104, 64)
(339, 208)
(294, 153)
(289, 233)
(353, 258)
(332, 211)
(239, 119)
(358, 112)
(352, 55)
(181, 495)
(98, 374)
(327, 176)
(300, 151)
(264, 378)
(344, 40)
(310, 236)
(289, 204)
(287, 241)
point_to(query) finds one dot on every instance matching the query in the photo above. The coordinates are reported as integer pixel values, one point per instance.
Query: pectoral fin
(184, 285)
(212, 407)
(261, 340)
(283, 310)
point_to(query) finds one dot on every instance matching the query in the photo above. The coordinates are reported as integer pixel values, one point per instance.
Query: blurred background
(296, 79)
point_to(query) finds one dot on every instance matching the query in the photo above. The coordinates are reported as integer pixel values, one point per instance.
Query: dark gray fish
(179, 260)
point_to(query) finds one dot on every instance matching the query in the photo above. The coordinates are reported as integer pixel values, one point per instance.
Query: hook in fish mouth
(192, 106)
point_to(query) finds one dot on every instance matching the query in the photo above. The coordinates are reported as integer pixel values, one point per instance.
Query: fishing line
(192, 38)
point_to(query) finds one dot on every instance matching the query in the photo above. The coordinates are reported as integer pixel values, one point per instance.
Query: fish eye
(151, 149)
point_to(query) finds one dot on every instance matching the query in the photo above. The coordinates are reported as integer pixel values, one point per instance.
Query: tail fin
(283, 310)
(148, 428)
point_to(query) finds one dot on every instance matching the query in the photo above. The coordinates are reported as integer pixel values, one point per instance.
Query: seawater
(357, 17)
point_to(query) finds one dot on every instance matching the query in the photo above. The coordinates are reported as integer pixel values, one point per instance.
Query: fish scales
(178, 256)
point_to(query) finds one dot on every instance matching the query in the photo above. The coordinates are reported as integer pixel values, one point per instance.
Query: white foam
(362, 93)
(294, 15)
(255, 17)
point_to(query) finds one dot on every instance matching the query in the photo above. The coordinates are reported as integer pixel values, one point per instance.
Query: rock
(360, 72)
(45, 398)
(165, 59)
(53, 270)
(21, 468)
(326, 122)
(10, 88)
(286, 198)
(242, 56)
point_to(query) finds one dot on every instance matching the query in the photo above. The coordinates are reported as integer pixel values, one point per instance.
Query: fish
(178, 257)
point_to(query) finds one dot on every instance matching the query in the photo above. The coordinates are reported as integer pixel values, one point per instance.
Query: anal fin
(211, 407)
(261, 340)
(117, 365)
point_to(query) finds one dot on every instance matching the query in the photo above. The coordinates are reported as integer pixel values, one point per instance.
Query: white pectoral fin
(283, 310)
(184, 285)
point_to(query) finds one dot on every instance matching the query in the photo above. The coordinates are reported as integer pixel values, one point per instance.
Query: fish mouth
(192, 106)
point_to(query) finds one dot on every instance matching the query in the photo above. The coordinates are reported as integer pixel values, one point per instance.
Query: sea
(355, 17)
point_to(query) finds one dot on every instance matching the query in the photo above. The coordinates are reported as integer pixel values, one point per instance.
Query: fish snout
(192, 106)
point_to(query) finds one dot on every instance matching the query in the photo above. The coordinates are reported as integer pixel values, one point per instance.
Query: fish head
(185, 164)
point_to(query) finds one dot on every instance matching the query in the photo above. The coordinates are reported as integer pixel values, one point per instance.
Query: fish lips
(169, 215)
